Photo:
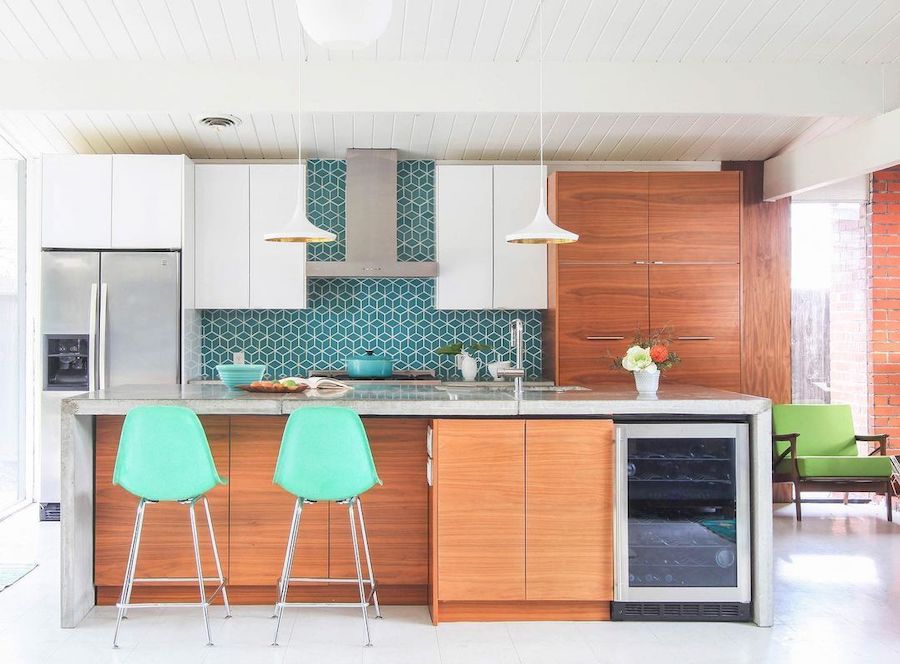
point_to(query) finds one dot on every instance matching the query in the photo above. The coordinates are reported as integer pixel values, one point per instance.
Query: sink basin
(556, 388)
(507, 387)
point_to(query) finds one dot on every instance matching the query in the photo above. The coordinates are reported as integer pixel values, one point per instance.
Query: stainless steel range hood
(371, 233)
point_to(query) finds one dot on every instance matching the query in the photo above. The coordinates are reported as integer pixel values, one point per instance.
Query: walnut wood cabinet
(657, 251)
(252, 517)
(522, 519)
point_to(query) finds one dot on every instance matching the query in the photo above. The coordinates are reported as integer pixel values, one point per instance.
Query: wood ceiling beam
(413, 87)
(863, 148)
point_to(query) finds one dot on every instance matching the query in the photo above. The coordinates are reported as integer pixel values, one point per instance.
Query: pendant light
(344, 24)
(541, 230)
(299, 228)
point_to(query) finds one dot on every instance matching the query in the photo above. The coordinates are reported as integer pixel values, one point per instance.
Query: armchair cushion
(839, 466)
(825, 430)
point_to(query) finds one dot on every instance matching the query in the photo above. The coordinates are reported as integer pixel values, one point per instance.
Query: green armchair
(815, 450)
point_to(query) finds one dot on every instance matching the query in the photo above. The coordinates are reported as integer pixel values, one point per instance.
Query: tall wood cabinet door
(464, 205)
(695, 217)
(480, 487)
(166, 544)
(607, 210)
(261, 511)
(76, 201)
(277, 269)
(520, 270)
(569, 510)
(700, 306)
(396, 513)
(222, 236)
(600, 309)
(147, 201)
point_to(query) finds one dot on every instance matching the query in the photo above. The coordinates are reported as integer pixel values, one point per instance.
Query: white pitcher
(468, 365)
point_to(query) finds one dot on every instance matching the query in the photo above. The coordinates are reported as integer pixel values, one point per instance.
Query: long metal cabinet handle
(695, 338)
(103, 298)
(92, 341)
(604, 338)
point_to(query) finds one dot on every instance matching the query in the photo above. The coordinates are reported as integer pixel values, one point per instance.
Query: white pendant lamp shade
(542, 230)
(301, 229)
(344, 24)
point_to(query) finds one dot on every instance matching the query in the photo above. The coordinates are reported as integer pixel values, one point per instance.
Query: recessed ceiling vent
(220, 121)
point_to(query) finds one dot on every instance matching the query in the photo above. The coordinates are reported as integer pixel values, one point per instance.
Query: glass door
(685, 509)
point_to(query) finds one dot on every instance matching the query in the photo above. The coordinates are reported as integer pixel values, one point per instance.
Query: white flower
(637, 359)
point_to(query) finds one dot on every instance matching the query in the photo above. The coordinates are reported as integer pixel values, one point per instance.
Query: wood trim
(522, 611)
(401, 595)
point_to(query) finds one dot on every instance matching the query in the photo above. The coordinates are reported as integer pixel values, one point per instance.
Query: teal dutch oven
(370, 365)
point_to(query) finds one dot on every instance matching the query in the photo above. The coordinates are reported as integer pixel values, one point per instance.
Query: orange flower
(659, 353)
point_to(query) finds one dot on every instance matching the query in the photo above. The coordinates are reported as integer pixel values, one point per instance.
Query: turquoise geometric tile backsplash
(346, 316)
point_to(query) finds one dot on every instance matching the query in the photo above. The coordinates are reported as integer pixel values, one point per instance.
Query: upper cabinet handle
(695, 338)
(604, 338)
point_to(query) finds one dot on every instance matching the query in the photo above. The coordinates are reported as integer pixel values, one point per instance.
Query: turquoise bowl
(240, 374)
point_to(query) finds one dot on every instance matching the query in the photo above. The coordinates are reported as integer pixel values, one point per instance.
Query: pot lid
(370, 355)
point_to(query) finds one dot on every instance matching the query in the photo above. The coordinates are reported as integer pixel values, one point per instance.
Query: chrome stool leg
(373, 589)
(203, 603)
(130, 567)
(285, 579)
(215, 550)
(359, 577)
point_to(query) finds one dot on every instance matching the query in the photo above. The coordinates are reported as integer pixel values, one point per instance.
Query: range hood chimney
(371, 233)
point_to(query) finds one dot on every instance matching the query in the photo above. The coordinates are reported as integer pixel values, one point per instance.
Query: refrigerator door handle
(92, 341)
(103, 325)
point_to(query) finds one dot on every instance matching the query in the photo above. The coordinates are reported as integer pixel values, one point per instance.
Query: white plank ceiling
(570, 136)
(828, 31)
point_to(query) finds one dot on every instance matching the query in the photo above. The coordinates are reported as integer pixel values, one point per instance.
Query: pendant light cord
(541, 99)
(300, 183)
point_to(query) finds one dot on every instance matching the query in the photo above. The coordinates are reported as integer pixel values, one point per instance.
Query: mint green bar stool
(325, 456)
(164, 456)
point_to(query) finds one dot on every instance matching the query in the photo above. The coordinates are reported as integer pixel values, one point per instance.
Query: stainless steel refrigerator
(109, 318)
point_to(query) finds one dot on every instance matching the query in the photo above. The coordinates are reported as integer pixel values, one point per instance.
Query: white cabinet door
(222, 222)
(520, 270)
(76, 201)
(277, 269)
(464, 237)
(147, 201)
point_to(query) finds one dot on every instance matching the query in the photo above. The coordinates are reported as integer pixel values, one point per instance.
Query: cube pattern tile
(415, 210)
(346, 316)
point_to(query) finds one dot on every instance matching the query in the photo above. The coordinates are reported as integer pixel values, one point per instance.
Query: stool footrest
(305, 579)
(177, 579)
(322, 605)
(162, 605)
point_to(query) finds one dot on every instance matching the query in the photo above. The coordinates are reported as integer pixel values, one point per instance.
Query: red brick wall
(885, 335)
(849, 311)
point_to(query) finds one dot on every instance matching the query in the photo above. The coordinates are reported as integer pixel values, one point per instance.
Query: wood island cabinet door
(600, 309)
(480, 493)
(396, 513)
(607, 210)
(569, 509)
(166, 547)
(261, 511)
(695, 217)
(700, 305)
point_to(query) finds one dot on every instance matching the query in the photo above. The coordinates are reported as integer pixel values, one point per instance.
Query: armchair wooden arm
(881, 438)
(792, 450)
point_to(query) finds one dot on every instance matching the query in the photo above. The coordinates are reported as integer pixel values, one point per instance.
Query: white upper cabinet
(113, 201)
(520, 270)
(477, 206)
(147, 201)
(277, 269)
(464, 254)
(76, 201)
(222, 237)
(235, 206)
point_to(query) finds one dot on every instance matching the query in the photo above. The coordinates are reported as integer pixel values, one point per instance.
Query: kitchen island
(459, 546)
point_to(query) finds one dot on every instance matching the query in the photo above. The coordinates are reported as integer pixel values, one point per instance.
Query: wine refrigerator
(683, 522)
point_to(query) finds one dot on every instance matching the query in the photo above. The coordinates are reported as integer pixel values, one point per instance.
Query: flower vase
(646, 382)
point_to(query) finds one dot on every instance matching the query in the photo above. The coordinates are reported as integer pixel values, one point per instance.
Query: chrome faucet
(516, 372)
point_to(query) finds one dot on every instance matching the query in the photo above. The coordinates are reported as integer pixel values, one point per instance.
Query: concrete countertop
(421, 400)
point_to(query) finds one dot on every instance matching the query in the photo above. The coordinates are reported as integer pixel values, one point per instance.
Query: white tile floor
(837, 600)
